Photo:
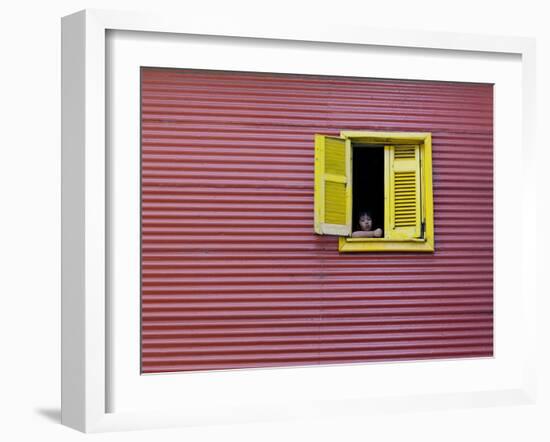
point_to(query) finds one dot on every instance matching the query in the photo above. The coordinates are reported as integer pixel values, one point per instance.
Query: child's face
(365, 222)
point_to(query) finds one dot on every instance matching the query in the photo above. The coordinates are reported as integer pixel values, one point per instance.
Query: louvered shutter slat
(332, 199)
(405, 192)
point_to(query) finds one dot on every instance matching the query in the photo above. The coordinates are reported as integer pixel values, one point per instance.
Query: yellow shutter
(405, 217)
(332, 199)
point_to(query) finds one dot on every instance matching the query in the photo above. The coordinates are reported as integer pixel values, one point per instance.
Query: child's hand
(378, 233)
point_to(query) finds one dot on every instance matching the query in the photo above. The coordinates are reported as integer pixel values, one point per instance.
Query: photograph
(255, 190)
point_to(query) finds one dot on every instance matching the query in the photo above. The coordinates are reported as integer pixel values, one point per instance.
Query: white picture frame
(87, 358)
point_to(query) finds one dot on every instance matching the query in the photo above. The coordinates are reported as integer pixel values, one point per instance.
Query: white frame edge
(84, 199)
(83, 381)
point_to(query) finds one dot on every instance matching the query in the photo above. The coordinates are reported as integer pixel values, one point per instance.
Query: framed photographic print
(264, 224)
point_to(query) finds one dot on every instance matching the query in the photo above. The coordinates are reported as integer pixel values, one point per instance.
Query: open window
(384, 176)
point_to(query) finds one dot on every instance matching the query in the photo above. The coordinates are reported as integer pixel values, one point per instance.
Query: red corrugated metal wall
(233, 275)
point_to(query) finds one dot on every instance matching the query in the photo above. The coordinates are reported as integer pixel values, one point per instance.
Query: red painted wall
(233, 275)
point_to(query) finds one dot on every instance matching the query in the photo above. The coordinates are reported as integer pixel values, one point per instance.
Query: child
(365, 224)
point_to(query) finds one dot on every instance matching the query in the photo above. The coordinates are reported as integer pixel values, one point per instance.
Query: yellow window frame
(425, 243)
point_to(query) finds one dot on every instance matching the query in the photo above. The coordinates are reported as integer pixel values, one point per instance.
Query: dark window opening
(368, 185)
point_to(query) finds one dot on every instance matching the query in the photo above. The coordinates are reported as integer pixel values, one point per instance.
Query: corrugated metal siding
(233, 275)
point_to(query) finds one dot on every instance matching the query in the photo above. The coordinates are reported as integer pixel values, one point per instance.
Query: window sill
(382, 245)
